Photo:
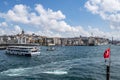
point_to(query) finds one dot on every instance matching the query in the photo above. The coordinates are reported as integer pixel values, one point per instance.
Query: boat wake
(57, 72)
(29, 72)
(55, 68)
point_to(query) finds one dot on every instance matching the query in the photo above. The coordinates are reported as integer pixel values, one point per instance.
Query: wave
(31, 71)
(56, 68)
(56, 72)
(15, 72)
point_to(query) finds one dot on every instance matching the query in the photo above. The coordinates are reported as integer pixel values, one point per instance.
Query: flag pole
(107, 72)
(108, 64)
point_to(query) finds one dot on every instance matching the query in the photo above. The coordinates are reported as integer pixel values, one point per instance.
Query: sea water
(64, 63)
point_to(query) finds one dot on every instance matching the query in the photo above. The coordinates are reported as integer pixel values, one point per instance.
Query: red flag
(107, 53)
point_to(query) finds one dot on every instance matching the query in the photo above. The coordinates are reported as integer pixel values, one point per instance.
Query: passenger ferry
(23, 50)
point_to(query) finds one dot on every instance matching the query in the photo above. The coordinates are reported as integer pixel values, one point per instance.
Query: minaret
(23, 38)
(22, 32)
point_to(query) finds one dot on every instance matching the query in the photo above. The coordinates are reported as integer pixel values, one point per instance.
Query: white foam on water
(15, 72)
(56, 72)
(56, 68)
(31, 71)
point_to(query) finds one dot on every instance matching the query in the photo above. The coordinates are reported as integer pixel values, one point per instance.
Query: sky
(61, 18)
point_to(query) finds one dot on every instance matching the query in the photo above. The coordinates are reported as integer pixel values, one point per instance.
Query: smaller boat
(51, 49)
(22, 50)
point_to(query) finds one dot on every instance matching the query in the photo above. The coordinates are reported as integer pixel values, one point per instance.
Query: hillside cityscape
(23, 38)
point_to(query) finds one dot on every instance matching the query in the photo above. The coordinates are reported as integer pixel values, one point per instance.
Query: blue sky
(61, 18)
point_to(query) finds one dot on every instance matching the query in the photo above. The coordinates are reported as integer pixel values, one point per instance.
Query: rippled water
(65, 63)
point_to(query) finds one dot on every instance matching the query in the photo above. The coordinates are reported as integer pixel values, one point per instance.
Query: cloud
(9, 30)
(2, 32)
(97, 32)
(107, 9)
(46, 21)
(3, 24)
(17, 29)
(50, 14)
(18, 14)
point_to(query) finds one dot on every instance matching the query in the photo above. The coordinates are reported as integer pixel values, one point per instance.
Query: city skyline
(61, 18)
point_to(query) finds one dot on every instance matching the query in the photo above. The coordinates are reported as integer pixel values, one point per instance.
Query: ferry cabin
(22, 50)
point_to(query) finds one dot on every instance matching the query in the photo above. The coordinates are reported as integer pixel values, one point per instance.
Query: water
(65, 63)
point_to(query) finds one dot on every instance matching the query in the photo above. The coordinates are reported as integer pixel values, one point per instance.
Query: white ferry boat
(23, 50)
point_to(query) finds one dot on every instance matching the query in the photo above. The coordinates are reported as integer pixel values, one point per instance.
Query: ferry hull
(20, 54)
(22, 51)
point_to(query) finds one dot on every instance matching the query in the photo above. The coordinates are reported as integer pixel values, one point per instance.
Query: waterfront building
(64, 41)
(91, 41)
(84, 41)
(1, 39)
(57, 41)
(23, 38)
(49, 41)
